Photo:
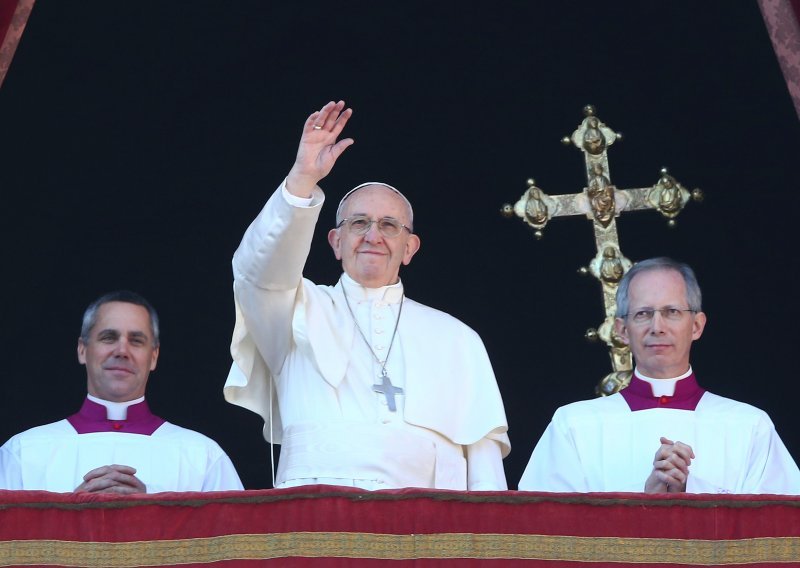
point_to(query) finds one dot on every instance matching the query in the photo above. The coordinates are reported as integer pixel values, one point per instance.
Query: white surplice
(602, 445)
(54, 457)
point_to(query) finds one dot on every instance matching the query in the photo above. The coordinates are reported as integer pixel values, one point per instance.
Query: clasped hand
(670, 468)
(113, 478)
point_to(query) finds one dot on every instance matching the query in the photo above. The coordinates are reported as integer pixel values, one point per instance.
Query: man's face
(120, 353)
(371, 259)
(661, 346)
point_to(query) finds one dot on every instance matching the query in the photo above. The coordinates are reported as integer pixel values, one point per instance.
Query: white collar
(663, 387)
(390, 294)
(115, 410)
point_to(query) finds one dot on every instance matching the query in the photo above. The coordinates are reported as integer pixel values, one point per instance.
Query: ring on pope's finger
(317, 127)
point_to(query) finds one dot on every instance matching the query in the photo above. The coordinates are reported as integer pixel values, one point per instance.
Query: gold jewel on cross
(602, 202)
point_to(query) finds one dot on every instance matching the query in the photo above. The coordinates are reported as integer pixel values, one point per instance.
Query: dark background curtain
(141, 138)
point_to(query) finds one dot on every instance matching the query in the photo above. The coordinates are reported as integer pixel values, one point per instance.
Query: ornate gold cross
(602, 202)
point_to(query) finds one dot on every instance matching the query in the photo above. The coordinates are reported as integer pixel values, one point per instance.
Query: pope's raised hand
(319, 148)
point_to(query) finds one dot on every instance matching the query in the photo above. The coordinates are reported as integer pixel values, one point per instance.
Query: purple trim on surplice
(92, 418)
(639, 395)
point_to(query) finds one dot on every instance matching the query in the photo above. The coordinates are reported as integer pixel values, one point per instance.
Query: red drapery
(13, 17)
(782, 18)
(328, 526)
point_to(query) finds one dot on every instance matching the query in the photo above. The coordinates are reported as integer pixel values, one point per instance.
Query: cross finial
(602, 202)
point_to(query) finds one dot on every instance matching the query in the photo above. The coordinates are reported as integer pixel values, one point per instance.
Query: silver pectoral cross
(387, 389)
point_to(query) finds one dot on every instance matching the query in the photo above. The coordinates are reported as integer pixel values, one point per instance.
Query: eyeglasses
(668, 313)
(389, 227)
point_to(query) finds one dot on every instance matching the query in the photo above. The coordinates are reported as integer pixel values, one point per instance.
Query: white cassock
(300, 363)
(55, 457)
(609, 444)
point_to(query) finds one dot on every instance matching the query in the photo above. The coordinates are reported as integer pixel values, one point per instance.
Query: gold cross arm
(601, 201)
